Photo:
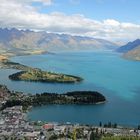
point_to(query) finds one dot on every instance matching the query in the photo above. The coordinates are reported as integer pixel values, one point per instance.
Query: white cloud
(45, 2)
(20, 14)
(111, 22)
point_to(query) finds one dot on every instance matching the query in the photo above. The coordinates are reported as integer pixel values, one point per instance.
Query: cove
(116, 78)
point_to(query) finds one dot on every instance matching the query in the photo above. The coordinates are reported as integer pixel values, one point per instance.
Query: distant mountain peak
(129, 46)
(131, 50)
(21, 42)
(134, 43)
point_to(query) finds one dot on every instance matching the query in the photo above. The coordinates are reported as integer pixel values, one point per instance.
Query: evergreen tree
(100, 124)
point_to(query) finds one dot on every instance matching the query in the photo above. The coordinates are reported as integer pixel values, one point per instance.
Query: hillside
(23, 42)
(133, 54)
(131, 50)
(129, 46)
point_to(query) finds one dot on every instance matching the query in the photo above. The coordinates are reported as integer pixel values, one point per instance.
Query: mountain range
(23, 42)
(131, 50)
(15, 42)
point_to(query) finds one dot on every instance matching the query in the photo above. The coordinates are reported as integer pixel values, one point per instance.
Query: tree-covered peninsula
(74, 97)
(37, 75)
(43, 76)
(11, 98)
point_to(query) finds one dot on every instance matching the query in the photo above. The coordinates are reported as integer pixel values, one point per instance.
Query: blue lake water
(116, 78)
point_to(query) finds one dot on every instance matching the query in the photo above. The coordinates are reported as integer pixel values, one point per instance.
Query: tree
(138, 127)
(100, 124)
(92, 136)
(115, 125)
(109, 124)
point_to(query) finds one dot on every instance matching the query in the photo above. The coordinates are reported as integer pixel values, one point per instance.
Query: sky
(114, 20)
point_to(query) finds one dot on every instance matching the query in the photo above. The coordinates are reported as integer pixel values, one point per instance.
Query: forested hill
(76, 97)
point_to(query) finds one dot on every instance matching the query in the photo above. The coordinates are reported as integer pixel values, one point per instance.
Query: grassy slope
(46, 76)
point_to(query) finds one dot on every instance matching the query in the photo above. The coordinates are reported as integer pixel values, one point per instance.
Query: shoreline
(4, 57)
(36, 128)
(31, 74)
(119, 125)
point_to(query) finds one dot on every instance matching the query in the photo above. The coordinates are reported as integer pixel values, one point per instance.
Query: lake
(116, 78)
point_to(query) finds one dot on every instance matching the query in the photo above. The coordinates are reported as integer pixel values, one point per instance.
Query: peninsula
(12, 98)
(13, 113)
(43, 76)
(37, 75)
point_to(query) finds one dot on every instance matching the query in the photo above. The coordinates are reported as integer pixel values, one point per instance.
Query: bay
(116, 78)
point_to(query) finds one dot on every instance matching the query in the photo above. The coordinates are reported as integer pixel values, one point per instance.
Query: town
(14, 125)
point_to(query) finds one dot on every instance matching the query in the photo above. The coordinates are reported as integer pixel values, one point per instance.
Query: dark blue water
(118, 79)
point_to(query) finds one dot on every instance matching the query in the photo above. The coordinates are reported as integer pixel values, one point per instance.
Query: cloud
(45, 2)
(21, 14)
